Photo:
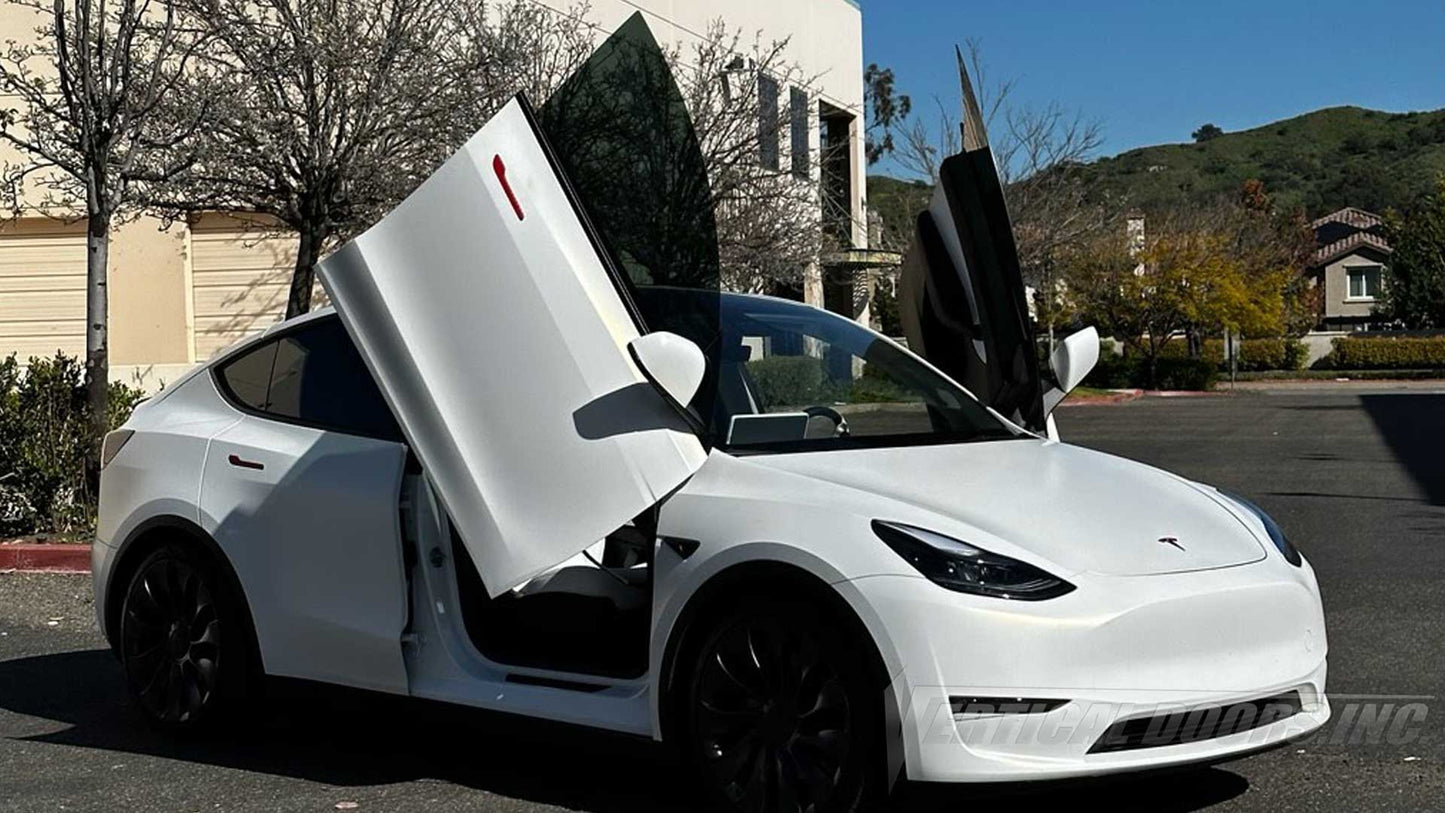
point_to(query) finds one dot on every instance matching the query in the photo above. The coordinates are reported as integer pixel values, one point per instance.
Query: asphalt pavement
(1355, 475)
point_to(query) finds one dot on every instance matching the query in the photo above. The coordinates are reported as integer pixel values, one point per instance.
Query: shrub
(798, 381)
(1112, 372)
(46, 443)
(1255, 355)
(1181, 374)
(789, 380)
(1171, 373)
(1395, 353)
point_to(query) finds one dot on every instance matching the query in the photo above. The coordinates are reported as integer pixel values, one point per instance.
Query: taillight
(112, 445)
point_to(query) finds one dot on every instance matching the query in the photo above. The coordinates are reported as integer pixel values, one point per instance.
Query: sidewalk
(1436, 386)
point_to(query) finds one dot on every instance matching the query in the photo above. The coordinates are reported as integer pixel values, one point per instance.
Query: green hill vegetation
(1321, 161)
(897, 202)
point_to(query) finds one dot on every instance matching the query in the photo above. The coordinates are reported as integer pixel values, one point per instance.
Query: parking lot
(1356, 476)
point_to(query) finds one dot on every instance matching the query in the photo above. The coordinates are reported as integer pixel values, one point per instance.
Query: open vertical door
(961, 299)
(498, 329)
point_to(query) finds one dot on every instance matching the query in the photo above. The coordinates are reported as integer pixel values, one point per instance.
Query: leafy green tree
(887, 109)
(1206, 133)
(1415, 278)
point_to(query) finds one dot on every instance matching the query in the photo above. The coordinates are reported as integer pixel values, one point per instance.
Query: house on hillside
(1349, 261)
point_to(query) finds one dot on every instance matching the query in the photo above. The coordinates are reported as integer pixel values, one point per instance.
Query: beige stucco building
(178, 294)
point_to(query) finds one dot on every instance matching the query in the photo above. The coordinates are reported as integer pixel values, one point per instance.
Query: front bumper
(1116, 649)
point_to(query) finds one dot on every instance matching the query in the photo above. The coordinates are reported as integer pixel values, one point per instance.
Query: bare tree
(98, 125)
(1041, 154)
(769, 216)
(682, 156)
(515, 47)
(331, 111)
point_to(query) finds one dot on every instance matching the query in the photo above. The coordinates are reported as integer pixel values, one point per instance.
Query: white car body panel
(315, 539)
(159, 476)
(1028, 498)
(500, 341)
(1117, 647)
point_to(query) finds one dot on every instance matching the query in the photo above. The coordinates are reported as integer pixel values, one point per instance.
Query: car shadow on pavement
(1411, 426)
(354, 739)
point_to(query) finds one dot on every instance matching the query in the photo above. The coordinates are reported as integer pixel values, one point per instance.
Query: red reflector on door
(501, 170)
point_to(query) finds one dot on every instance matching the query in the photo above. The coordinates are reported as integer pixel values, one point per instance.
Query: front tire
(182, 640)
(781, 714)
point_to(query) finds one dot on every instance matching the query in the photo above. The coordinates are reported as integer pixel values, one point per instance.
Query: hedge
(798, 381)
(45, 444)
(1255, 355)
(1114, 372)
(1394, 353)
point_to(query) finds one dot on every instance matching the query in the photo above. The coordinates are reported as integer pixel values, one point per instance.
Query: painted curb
(1118, 397)
(45, 558)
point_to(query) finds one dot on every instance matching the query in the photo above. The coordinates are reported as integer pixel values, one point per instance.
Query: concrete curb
(28, 558)
(1118, 397)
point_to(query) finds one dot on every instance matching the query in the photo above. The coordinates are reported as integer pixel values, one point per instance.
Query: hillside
(897, 203)
(1323, 161)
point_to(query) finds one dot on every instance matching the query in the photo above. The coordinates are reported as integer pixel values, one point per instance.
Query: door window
(319, 379)
(313, 376)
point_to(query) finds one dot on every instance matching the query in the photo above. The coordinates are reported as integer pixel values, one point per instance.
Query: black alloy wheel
(173, 638)
(779, 713)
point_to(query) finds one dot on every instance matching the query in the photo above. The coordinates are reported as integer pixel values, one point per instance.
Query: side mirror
(1073, 359)
(673, 364)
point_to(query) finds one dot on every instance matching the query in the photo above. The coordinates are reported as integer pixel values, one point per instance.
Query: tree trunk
(97, 336)
(303, 278)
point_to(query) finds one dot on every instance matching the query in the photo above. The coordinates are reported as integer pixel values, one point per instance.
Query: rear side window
(315, 377)
(248, 378)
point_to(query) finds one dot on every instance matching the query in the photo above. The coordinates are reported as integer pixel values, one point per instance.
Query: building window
(768, 148)
(836, 171)
(1364, 281)
(799, 109)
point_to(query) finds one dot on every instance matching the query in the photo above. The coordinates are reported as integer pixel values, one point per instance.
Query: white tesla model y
(534, 461)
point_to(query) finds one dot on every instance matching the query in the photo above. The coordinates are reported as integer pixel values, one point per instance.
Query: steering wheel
(831, 414)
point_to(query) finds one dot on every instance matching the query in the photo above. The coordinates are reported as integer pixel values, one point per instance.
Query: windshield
(789, 377)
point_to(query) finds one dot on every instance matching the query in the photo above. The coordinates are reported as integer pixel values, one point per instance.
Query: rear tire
(183, 640)
(781, 713)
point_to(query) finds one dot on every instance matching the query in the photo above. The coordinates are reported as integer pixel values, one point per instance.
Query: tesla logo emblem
(1169, 540)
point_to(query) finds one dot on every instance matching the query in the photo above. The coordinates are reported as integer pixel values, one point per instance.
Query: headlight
(959, 566)
(1290, 552)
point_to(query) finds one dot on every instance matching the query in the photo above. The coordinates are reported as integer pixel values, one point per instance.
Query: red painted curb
(46, 558)
(1119, 397)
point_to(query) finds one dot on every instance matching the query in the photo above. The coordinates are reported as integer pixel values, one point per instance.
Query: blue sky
(1154, 70)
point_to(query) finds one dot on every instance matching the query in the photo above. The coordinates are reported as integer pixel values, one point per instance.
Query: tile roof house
(1348, 264)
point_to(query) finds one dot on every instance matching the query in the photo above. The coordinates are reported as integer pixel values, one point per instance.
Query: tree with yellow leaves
(1193, 273)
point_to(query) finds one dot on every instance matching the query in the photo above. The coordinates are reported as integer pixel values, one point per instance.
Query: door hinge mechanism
(680, 546)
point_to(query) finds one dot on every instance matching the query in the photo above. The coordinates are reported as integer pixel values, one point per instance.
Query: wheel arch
(151, 535)
(722, 591)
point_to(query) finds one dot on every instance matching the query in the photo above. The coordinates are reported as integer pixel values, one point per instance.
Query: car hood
(1079, 509)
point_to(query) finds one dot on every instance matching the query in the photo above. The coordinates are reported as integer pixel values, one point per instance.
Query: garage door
(42, 289)
(239, 280)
